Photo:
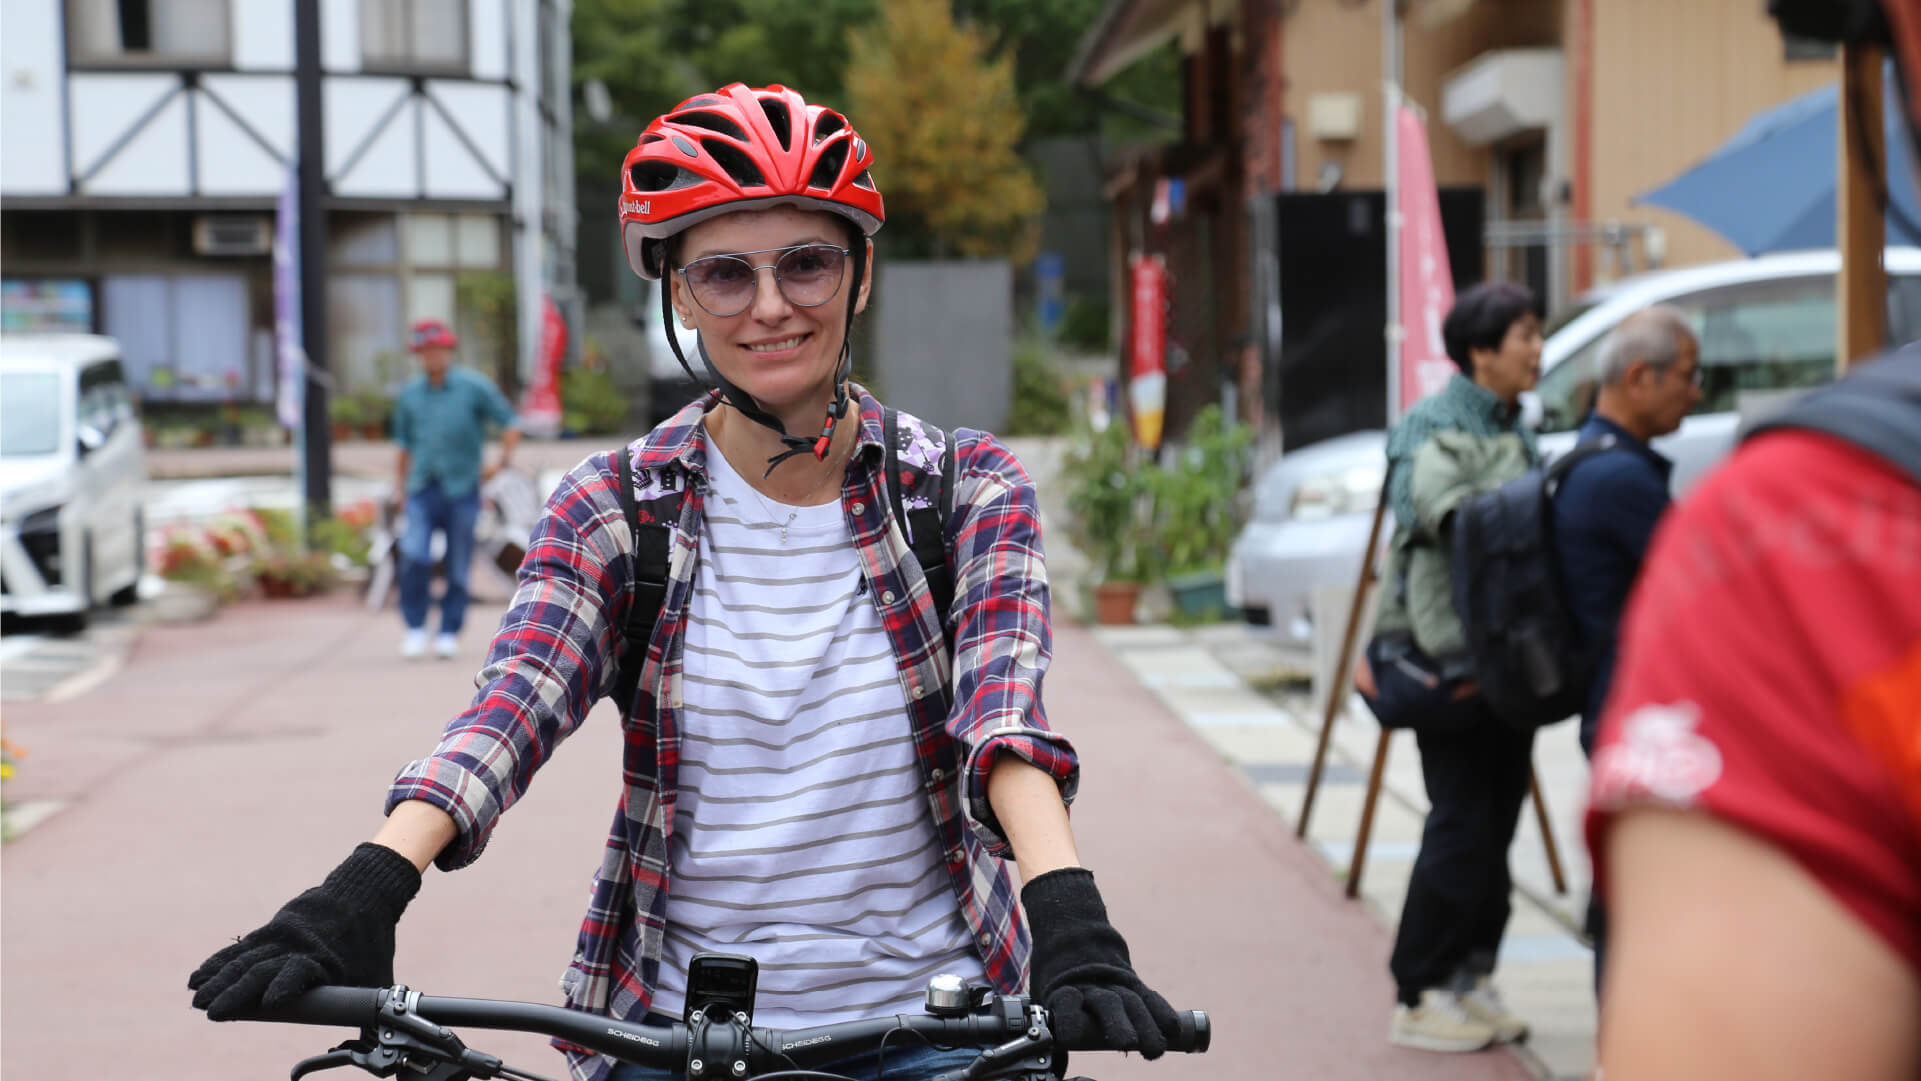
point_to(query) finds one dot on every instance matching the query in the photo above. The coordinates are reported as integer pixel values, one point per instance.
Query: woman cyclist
(805, 782)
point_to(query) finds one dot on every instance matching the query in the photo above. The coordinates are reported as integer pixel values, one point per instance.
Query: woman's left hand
(1082, 974)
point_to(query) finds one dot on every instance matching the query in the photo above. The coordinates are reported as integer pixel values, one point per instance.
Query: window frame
(150, 60)
(408, 61)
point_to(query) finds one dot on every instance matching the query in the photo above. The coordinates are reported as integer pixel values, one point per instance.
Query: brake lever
(337, 1057)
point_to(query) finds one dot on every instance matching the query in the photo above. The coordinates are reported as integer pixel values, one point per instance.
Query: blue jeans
(429, 510)
(908, 1059)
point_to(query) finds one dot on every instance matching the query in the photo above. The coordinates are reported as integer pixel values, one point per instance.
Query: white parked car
(1766, 326)
(72, 477)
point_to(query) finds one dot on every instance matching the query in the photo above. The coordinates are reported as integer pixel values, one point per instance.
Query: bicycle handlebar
(1010, 1029)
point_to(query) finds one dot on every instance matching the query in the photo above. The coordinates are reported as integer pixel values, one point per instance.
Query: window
(29, 413)
(1795, 47)
(414, 35)
(159, 32)
(1757, 338)
(104, 400)
(440, 247)
(182, 336)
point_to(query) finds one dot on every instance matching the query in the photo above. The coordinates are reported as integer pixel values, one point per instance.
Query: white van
(72, 477)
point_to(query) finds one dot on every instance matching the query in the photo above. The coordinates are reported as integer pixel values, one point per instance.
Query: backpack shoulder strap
(1876, 407)
(926, 526)
(1559, 468)
(652, 542)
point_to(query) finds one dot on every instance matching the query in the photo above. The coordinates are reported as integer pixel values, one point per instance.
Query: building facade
(146, 143)
(1558, 112)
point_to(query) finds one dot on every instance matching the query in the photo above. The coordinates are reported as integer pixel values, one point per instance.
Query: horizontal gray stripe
(787, 580)
(748, 741)
(786, 768)
(770, 799)
(915, 935)
(708, 594)
(857, 835)
(915, 975)
(785, 876)
(744, 636)
(742, 523)
(815, 817)
(803, 902)
(755, 662)
(785, 550)
(799, 711)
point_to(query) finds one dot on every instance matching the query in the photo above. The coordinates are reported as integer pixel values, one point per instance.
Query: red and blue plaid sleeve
(549, 661)
(1002, 641)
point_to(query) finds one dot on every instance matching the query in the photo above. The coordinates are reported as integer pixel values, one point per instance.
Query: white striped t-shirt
(802, 834)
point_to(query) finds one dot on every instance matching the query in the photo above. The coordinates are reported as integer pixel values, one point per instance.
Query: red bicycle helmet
(741, 148)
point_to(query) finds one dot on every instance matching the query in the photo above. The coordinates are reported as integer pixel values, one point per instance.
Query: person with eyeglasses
(810, 778)
(440, 423)
(1607, 506)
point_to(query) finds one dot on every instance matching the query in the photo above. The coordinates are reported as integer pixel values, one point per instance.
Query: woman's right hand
(339, 932)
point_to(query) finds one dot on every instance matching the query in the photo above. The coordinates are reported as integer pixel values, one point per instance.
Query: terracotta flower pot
(1114, 602)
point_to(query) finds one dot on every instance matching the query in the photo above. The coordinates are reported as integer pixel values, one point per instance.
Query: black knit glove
(1082, 974)
(339, 932)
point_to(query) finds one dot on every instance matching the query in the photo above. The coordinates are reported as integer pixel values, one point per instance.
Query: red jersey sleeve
(1770, 672)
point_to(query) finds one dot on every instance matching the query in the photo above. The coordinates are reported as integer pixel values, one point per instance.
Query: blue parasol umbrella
(1771, 187)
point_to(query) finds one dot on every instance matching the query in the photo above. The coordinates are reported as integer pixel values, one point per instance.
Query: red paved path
(233, 762)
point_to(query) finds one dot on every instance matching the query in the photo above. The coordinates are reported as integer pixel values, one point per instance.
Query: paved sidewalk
(1208, 677)
(366, 459)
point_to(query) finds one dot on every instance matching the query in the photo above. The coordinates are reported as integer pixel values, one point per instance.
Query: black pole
(316, 441)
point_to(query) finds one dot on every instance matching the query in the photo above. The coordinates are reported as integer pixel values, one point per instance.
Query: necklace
(805, 501)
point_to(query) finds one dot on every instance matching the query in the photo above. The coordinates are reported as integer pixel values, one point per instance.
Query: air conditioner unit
(232, 234)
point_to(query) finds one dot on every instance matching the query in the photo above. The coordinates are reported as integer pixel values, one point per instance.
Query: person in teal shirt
(440, 423)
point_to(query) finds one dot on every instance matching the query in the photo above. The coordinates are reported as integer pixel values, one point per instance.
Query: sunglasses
(808, 275)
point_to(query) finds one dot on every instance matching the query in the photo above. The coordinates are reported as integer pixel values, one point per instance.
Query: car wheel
(129, 595)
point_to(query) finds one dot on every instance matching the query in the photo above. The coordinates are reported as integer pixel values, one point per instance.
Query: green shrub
(1084, 325)
(1040, 405)
(590, 403)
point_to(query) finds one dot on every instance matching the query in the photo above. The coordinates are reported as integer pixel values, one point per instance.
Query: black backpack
(652, 525)
(1532, 662)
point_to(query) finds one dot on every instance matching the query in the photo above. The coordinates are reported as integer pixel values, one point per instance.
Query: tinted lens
(722, 284)
(810, 275)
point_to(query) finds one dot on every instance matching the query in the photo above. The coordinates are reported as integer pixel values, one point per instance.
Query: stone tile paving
(1231, 686)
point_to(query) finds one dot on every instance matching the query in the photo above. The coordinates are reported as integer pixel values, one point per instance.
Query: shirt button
(919, 691)
(860, 508)
(887, 597)
(939, 774)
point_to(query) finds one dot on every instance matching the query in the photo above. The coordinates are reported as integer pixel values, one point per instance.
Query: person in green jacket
(1462, 439)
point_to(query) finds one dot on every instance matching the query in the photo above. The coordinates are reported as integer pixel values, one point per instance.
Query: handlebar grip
(1196, 1033)
(350, 1007)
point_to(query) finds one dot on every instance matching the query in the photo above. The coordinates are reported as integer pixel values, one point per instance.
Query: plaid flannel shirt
(555, 655)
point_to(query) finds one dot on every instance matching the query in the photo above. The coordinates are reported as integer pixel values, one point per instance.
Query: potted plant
(294, 575)
(1197, 512)
(375, 409)
(1106, 492)
(344, 412)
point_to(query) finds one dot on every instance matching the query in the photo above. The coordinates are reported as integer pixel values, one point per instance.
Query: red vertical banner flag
(540, 412)
(1426, 285)
(1147, 346)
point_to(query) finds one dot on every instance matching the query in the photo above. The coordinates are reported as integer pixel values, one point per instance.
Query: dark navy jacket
(1604, 514)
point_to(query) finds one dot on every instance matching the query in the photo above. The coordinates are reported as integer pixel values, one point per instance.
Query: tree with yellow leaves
(945, 123)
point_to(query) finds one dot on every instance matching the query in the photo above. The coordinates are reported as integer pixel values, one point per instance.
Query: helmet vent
(654, 175)
(738, 165)
(710, 121)
(652, 137)
(865, 181)
(685, 147)
(828, 124)
(827, 169)
(704, 99)
(780, 120)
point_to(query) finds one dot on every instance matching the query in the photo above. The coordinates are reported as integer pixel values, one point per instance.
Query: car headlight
(1355, 490)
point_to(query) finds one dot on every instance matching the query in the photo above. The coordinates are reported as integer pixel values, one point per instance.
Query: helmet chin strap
(744, 402)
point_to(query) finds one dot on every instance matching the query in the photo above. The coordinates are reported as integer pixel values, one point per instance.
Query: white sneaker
(1440, 1023)
(446, 645)
(414, 646)
(1483, 1003)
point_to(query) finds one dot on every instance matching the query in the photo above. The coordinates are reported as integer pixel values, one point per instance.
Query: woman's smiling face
(781, 353)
